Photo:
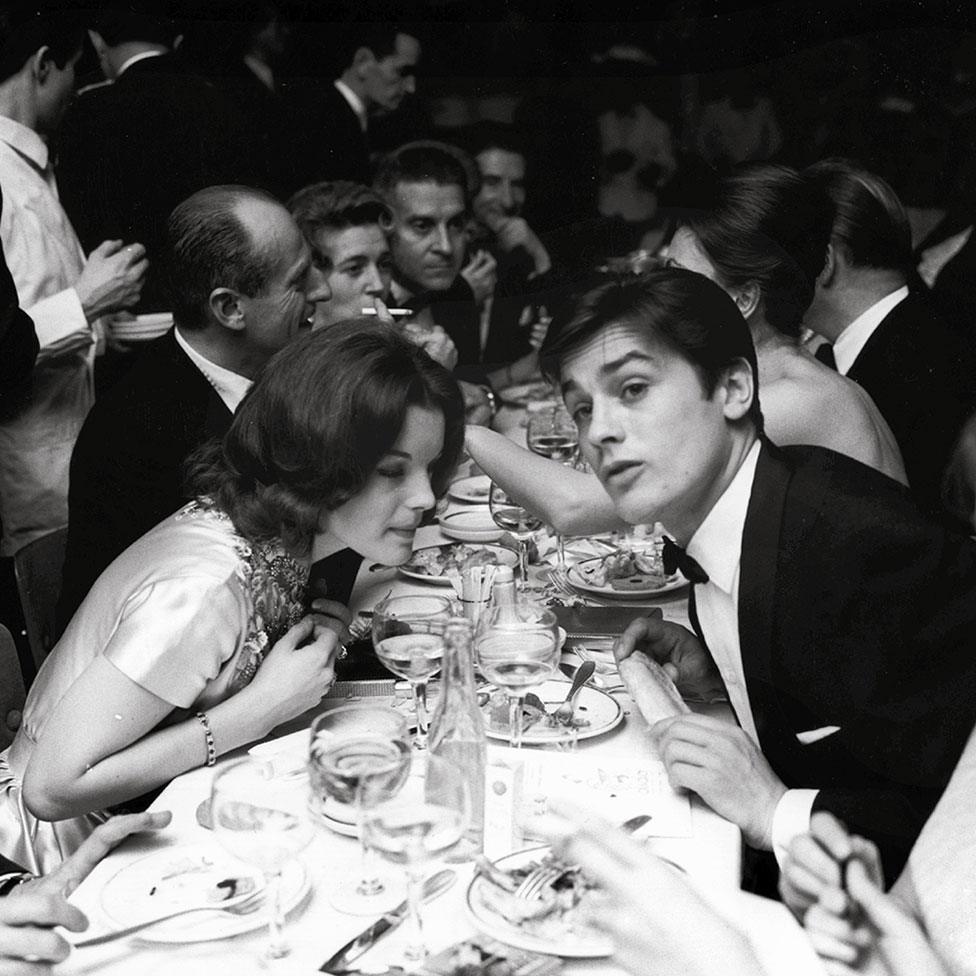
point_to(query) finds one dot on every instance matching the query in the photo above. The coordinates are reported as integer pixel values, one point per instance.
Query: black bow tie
(675, 558)
(825, 353)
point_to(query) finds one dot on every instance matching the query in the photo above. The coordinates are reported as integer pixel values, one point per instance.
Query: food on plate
(533, 713)
(448, 560)
(652, 690)
(626, 569)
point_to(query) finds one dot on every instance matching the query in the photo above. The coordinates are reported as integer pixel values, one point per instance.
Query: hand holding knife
(340, 962)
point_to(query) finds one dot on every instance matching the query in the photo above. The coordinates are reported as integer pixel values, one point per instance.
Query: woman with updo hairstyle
(764, 240)
(200, 637)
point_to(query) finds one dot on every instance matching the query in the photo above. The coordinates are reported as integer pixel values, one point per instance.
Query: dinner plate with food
(473, 525)
(437, 564)
(624, 573)
(596, 712)
(475, 489)
(554, 923)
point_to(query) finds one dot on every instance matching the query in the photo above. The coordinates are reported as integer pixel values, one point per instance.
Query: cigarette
(395, 312)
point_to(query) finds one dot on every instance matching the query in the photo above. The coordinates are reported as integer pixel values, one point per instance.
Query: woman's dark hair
(769, 225)
(684, 311)
(312, 429)
(869, 221)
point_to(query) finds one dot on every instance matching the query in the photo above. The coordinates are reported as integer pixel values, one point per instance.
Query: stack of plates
(143, 327)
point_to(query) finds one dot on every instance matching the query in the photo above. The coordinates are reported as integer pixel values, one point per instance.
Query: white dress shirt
(717, 546)
(852, 340)
(45, 260)
(230, 387)
(135, 59)
(354, 101)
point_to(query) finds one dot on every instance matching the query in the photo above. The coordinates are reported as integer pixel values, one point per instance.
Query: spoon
(564, 714)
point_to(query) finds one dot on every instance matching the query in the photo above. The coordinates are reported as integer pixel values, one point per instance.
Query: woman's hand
(297, 672)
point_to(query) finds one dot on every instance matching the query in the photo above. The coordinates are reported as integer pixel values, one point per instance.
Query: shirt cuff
(790, 819)
(58, 319)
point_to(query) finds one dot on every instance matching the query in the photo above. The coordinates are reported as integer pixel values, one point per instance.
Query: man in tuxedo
(838, 620)
(132, 149)
(917, 369)
(241, 286)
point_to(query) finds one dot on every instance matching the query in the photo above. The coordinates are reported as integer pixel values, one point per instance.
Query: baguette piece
(653, 691)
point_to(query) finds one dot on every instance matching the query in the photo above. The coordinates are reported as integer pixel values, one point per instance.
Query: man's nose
(375, 286)
(443, 243)
(318, 288)
(603, 425)
(410, 84)
(505, 197)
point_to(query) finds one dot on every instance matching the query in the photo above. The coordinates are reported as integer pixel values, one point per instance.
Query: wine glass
(264, 821)
(551, 433)
(423, 822)
(518, 647)
(509, 515)
(408, 636)
(359, 755)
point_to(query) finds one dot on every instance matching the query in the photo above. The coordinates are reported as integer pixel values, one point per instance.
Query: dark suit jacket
(856, 611)
(127, 466)
(18, 345)
(921, 376)
(132, 150)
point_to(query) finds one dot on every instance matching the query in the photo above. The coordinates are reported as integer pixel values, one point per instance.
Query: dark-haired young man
(916, 368)
(242, 285)
(64, 292)
(838, 620)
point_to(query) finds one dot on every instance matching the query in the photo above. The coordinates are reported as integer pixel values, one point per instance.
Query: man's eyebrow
(607, 368)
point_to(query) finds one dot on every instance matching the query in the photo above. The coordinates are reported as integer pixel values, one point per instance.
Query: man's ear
(41, 64)
(227, 307)
(826, 277)
(740, 389)
(747, 298)
(363, 59)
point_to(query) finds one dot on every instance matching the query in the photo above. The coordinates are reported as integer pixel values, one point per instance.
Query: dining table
(710, 852)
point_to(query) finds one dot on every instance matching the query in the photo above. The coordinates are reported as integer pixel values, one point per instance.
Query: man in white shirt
(916, 368)
(823, 587)
(63, 292)
(242, 285)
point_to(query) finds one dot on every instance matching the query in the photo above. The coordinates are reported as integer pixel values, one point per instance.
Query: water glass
(510, 515)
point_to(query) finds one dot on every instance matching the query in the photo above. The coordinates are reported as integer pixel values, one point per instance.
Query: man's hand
(434, 341)
(479, 273)
(477, 406)
(720, 763)
(513, 232)
(111, 279)
(677, 649)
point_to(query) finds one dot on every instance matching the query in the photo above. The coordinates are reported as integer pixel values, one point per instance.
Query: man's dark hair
(869, 221)
(427, 162)
(685, 312)
(335, 205)
(378, 36)
(769, 225)
(24, 30)
(145, 22)
(488, 134)
(208, 247)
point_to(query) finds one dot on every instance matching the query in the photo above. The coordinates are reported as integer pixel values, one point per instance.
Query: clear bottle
(457, 730)
(503, 589)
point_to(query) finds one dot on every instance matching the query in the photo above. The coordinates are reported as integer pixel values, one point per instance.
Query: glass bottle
(457, 729)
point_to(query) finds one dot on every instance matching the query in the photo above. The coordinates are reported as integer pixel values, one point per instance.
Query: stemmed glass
(359, 755)
(517, 648)
(423, 822)
(265, 822)
(551, 433)
(509, 515)
(408, 637)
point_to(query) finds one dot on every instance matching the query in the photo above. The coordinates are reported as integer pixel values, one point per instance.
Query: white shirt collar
(25, 141)
(263, 72)
(717, 545)
(853, 339)
(230, 387)
(355, 102)
(129, 62)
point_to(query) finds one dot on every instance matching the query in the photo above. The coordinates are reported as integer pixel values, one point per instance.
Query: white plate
(505, 557)
(473, 489)
(555, 938)
(600, 709)
(577, 579)
(475, 525)
(180, 877)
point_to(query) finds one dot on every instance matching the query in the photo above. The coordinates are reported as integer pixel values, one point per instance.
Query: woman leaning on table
(198, 638)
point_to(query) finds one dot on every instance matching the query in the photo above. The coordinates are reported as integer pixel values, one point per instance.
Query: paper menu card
(614, 786)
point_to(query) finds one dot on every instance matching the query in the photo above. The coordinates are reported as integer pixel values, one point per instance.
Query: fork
(248, 904)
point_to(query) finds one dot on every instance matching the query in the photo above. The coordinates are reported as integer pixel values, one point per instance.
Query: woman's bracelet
(13, 880)
(211, 748)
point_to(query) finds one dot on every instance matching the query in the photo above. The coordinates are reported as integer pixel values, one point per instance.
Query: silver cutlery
(246, 905)
(564, 713)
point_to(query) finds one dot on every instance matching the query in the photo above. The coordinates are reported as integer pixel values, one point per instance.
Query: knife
(435, 885)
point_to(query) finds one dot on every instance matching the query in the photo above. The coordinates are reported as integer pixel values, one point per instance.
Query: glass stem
(415, 949)
(278, 948)
(560, 553)
(523, 547)
(515, 721)
(369, 881)
(420, 703)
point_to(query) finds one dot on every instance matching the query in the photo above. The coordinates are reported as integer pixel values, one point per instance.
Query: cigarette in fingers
(395, 312)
